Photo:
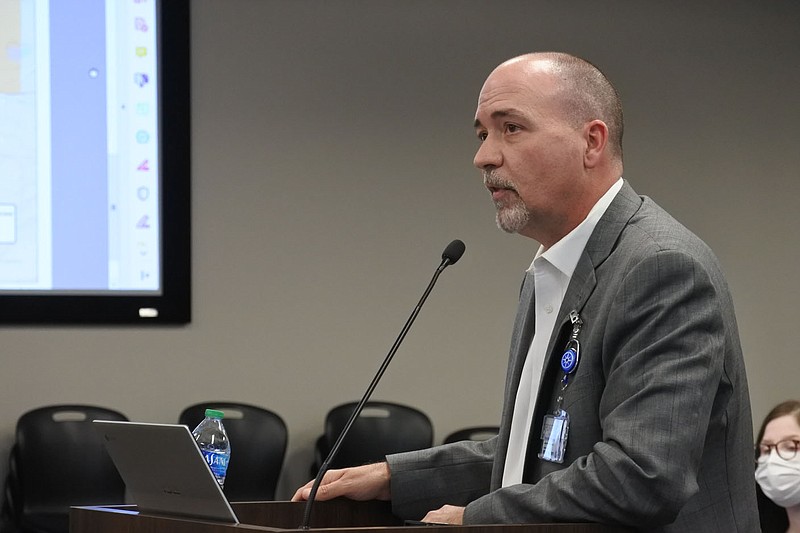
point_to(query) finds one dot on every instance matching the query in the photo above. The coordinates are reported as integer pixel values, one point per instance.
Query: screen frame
(173, 304)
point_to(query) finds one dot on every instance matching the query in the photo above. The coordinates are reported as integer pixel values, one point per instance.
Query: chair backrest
(476, 433)
(258, 439)
(60, 461)
(382, 428)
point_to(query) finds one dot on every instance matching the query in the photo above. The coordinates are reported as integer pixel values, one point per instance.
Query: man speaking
(626, 398)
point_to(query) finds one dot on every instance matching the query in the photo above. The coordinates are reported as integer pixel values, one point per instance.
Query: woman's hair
(789, 407)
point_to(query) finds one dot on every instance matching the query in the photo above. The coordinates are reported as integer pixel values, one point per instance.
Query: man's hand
(369, 482)
(446, 514)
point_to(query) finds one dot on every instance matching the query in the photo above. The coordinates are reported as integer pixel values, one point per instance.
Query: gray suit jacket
(660, 428)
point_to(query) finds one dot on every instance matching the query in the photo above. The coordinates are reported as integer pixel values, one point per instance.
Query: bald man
(626, 399)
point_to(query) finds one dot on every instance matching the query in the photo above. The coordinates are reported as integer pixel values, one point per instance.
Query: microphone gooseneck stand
(451, 255)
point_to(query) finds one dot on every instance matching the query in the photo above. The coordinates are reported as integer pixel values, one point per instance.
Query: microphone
(453, 253)
(450, 256)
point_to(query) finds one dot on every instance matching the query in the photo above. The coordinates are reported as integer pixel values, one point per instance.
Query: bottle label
(218, 462)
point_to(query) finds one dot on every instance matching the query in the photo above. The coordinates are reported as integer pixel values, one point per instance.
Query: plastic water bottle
(213, 442)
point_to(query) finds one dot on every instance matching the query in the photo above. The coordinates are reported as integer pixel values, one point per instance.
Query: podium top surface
(339, 516)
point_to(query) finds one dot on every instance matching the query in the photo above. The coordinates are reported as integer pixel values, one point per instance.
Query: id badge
(555, 428)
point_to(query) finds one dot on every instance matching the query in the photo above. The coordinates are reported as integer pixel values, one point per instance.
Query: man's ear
(596, 135)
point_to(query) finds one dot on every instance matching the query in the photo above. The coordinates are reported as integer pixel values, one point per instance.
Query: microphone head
(454, 251)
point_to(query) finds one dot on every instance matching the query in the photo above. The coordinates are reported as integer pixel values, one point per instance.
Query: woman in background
(778, 469)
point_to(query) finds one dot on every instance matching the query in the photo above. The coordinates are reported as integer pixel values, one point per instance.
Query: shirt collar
(564, 254)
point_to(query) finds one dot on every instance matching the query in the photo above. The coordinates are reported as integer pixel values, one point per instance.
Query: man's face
(531, 157)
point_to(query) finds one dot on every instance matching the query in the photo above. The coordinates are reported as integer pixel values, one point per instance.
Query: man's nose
(488, 155)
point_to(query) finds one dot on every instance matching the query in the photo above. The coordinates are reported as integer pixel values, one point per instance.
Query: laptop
(164, 471)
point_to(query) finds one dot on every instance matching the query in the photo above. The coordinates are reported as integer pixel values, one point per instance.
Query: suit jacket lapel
(524, 326)
(598, 248)
(582, 284)
(521, 339)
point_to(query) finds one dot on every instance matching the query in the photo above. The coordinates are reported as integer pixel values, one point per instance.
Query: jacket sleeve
(454, 474)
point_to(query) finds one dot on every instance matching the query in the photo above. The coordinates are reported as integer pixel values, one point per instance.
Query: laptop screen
(164, 471)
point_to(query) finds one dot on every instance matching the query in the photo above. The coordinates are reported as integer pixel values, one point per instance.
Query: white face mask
(780, 479)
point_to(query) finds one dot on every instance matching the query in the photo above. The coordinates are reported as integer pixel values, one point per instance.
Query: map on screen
(80, 192)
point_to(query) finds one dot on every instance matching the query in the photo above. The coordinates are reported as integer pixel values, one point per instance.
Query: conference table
(338, 516)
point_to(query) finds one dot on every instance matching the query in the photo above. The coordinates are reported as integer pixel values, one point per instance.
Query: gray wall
(332, 163)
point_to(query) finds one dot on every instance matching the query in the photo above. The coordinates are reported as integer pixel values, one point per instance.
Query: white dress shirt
(551, 270)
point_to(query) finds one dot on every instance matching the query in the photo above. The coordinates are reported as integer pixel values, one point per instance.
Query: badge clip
(555, 427)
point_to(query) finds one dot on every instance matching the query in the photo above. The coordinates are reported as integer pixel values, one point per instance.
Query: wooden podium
(339, 516)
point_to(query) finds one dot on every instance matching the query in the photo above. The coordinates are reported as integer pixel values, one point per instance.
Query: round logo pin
(569, 361)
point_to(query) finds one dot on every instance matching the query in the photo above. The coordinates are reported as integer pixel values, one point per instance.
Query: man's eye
(512, 128)
(482, 135)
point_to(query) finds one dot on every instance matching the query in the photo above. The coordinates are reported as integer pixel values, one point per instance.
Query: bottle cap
(213, 413)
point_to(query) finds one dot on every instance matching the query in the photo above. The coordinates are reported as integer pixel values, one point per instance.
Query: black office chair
(258, 439)
(382, 428)
(58, 461)
(9, 516)
(476, 433)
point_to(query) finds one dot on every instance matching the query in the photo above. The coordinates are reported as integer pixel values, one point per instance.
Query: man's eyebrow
(497, 114)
